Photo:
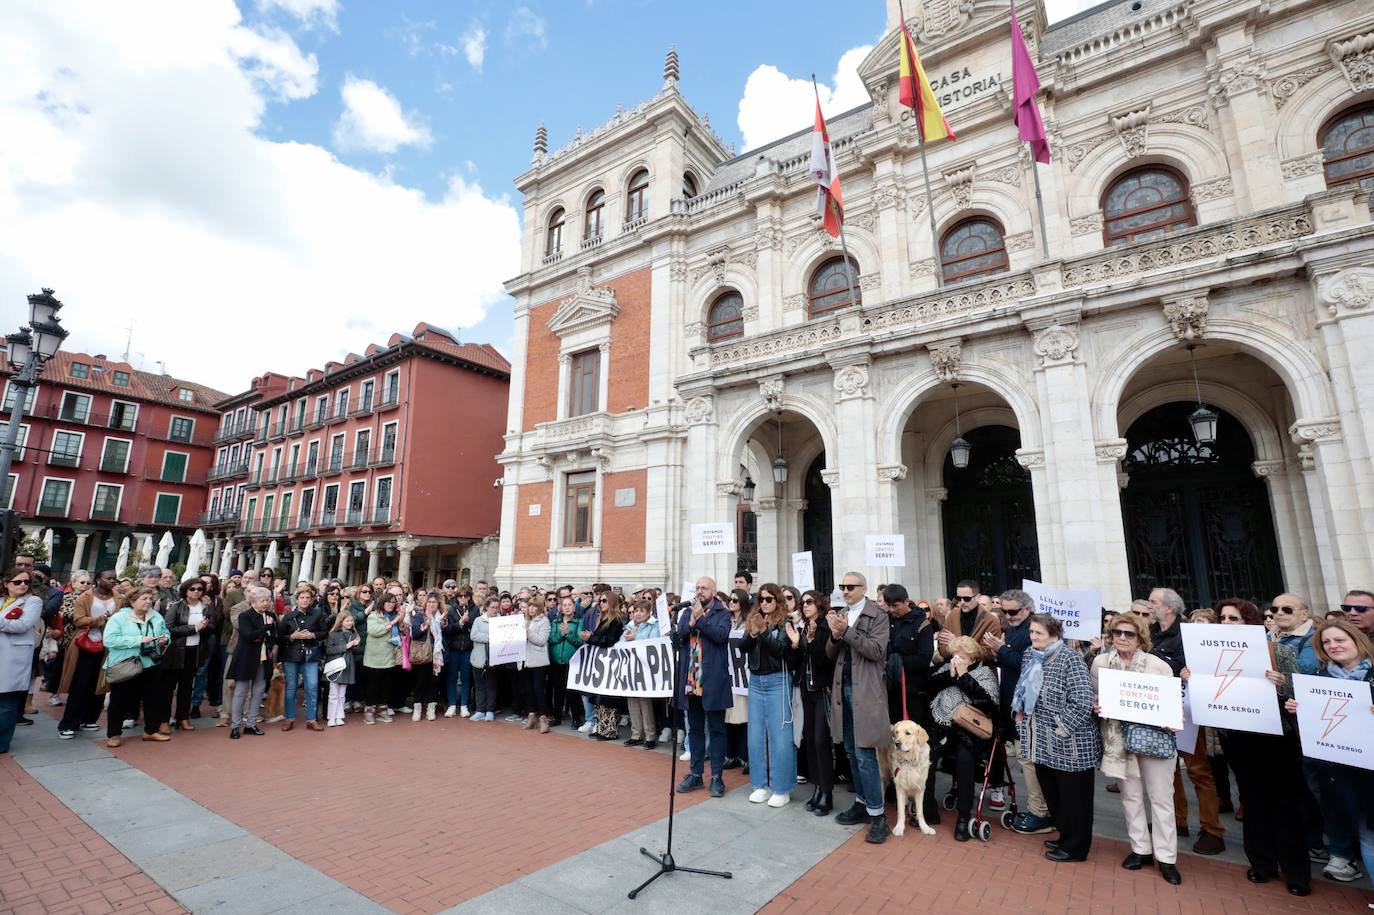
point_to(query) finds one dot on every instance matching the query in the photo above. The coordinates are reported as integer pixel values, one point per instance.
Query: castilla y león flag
(1025, 84)
(828, 200)
(916, 94)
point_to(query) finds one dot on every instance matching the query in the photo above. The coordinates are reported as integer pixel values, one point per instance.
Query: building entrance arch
(989, 514)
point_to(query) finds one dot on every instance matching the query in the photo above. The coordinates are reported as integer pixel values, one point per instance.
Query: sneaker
(690, 783)
(996, 798)
(878, 830)
(1340, 869)
(515, 718)
(65, 734)
(129, 723)
(1028, 824)
(586, 727)
(404, 710)
(451, 711)
(464, 712)
(665, 735)
(1318, 855)
(624, 721)
(686, 756)
(54, 699)
(491, 716)
(93, 726)
(759, 795)
(779, 800)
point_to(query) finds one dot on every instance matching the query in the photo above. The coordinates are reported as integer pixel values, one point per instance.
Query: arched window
(553, 239)
(726, 317)
(591, 223)
(689, 186)
(1348, 146)
(974, 248)
(829, 287)
(636, 197)
(1146, 203)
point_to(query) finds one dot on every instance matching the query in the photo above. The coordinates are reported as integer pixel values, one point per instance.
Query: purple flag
(1025, 85)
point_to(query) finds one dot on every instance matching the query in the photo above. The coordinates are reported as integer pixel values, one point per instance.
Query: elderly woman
(1139, 774)
(1053, 705)
(19, 613)
(136, 633)
(80, 584)
(250, 667)
(963, 680)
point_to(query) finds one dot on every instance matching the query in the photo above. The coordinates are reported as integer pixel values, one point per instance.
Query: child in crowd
(343, 638)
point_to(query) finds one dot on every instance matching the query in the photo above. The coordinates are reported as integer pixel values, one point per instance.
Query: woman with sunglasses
(610, 626)
(815, 675)
(358, 606)
(740, 604)
(1154, 839)
(19, 613)
(772, 653)
(190, 619)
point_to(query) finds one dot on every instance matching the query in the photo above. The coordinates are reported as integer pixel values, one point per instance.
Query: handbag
(87, 644)
(334, 668)
(1148, 740)
(421, 652)
(124, 670)
(972, 720)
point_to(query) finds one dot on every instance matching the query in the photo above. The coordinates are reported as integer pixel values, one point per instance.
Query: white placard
(665, 622)
(885, 549)
(1334, 720)
(803, 571)
(739, 665)
(713, 538)
(1187, 738)
(1225, 651)
(507, 635)
(1079, 611)
(1234, 702)
(689, 590)
(641, 669)
(1143, 698)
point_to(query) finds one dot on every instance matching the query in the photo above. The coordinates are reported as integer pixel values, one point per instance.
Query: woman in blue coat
(703, 684)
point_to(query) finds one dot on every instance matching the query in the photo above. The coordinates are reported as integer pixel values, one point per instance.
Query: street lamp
(748, 489)
(959, 448)
(1203, 420)
(27, 350)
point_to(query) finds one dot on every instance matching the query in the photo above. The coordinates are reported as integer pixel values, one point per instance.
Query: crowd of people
(991, 680)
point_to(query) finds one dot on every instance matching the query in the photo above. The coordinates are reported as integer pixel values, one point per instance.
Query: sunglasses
(1356, 608)
(1125, 634)
(965, 600)
(806, 601)
(767, 599)
(19, 581)
(1287, 611)
(198, 588)
(603, 601)
(1231, 619)
(850, 587)
(734, 600)
(1143, 614)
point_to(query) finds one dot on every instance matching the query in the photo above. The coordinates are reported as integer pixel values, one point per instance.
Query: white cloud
(525, 23)
(273, 59)
(475, 46)
(142, 192)
(372, 119)
(309, 12)
(775, 104)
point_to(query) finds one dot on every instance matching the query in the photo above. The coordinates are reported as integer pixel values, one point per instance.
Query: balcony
(277, 430)
(289, 474)
(385, 455)
(585, 432)
(49, 510)
(335, 465)
(64, 459)
(254, 480)
(359, 461)
(296, 428)
(381, 516)
(356, 517)
(364, 407)
(328, 518)
(227, 469)
(390, 400)
(111, 465)
(218, 517)
(552, 257)
(233, 431)
(340, 413)
(592, 241)
(319, 419)
(185, 479)
(260, 434)
(105, 514)
(119, 421)
(631, 225)
(303, 521)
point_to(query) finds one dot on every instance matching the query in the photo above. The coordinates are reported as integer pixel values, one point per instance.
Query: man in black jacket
(910, 646)
(301, 634)
(457, 629)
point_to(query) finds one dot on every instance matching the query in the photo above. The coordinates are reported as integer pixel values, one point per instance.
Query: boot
(429, 711)
(824, 802)
(416, 712)
(961, 833)
(368, 717)
(815, 796)
(529, 723)
(543, 724)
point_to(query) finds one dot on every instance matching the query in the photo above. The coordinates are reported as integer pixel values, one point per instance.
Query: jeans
(588, 709)
(868, 784)
(484, 690)
(1367, 850)
(311, 671)
(458, 677)
(701, 721)
(771, 734)
(11, 704)
(250, 695)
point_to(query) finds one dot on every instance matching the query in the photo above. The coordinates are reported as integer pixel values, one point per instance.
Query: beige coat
(867, 643)
(81, 619)
(1116, 762)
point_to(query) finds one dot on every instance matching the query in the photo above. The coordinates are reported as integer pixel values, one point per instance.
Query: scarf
(1027, 692)
(1360, 672)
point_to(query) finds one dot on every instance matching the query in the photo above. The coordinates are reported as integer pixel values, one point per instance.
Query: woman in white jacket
(483, 689)
(536, 666)
(19, 613)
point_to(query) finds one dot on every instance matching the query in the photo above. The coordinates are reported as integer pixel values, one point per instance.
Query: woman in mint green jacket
(137, 631)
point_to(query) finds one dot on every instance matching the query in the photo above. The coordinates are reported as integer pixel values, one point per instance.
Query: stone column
(1239, 86)
(260, 558)
(704, 502)
(216, 551)
(373, 548)
(405, 545)
(855, 507)
(79, 554)
(1287, 525)
(775, 558)
(1336, 507)
(345, 553)
(296, 550)
(319, 572)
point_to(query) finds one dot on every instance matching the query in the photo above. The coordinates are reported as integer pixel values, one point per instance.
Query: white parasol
(307, 561)
(123, 558)
(164, 549)
(226, 564)
(197, 555)
(271, 561)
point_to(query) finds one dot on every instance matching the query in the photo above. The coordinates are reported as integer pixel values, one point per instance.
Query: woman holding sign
(1140, 773)
(610, 626)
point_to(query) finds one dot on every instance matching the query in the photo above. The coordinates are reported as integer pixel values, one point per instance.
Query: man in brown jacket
(967, 618)
(858, 645)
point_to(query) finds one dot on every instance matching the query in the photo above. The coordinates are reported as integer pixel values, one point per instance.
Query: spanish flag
(916, 93)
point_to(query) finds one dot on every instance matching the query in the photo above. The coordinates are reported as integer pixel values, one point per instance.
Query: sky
(233, 188)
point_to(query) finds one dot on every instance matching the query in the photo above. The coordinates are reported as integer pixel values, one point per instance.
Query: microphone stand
(666, 863)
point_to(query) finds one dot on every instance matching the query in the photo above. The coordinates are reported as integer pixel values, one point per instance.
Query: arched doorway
(1197, 520)
(989, 514)
(816, 527)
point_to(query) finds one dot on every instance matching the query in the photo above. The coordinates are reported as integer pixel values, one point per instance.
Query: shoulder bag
(973, 721)
(125, 670)
(1148, 740)
(334, 668)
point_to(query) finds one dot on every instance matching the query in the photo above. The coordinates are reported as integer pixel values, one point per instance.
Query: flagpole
(925, 169)
(1040, 208)
(844, 247)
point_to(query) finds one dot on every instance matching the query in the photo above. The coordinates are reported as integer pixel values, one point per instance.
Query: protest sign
(665, 622)
(803, 571)
(1234, 702)
(739, 665)
(1079, 611)
(638, 669)
(507, 634)
(1187, 738)
(885, 549)
(713, 538)
(689, 590)
(1225, 651)
(1334, 720)
(1144, 698)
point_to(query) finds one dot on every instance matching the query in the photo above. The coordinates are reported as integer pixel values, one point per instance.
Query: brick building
(108, 451)
(386, 460)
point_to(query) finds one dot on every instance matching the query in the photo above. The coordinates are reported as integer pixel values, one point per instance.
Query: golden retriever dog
(909, 760)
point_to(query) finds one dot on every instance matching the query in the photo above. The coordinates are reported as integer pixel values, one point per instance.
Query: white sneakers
(1339, 868)
(759, 796)
(665, 735)
(686, 756)
(453, 710)
(779, 800)
(54, 699)
(415, 715)
(586, 727)
(464, 712)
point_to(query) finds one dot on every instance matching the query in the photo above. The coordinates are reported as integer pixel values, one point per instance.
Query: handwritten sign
(1079, 611)
(803, 571)
(1143, 698)
(885, 549)
(713, 538)
(507, 634)
(739, 665)
(639, 669)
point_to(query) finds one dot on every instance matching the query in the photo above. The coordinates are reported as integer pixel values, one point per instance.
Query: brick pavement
(52, 863)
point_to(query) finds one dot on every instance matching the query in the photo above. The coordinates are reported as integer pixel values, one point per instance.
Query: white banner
(713, 538)
(1234, 702)
(637, 669)
(1079, 611)
(885, 549)
(507, 634)
(739, 665)
(1225, 651)
(1334, 720)
(1143, 698)
(803, 571)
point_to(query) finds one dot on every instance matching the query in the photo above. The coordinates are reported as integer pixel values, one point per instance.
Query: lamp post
(28, 350)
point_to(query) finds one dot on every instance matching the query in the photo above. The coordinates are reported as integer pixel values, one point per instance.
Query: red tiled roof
(143, 386)
(483, 354)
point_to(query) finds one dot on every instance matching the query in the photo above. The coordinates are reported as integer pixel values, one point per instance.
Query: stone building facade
(683, 322)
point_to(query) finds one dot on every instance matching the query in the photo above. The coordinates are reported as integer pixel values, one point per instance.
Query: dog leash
(905, 716)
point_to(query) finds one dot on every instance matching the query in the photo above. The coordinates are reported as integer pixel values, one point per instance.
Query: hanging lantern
(747, 491)
(1203, 420)
(959, 451)
(780, 470)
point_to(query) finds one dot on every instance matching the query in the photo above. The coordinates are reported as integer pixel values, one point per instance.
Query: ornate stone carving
(1266, 469)
(1030, 458)
(545, 464)
(768, 235)
(677, 269)
(770, 389)
(1110, 452)
(588, 307)
(1307, 458)
(1007, 174)
(1187, 316)
(817, 234)
(750, 312)
(917, 269)
(830, 478)
(1283, 88)
(889, 194)
(939, 17)
(968, 298)
(1212, 190)
(1080, 150)
(696, 330)
(1307, 164)
(793, 302)
(1131, 129)
(1231, 80)
(1350, 290)
(1193, 117)
(1086, 225)
(749, 258)
(870, 281)
(851, 381)
(937, 494)
(960, 183)
(1316, 430)
(699, 410)
(945, 357)
(1355, 57)
(1056, 344)
(1021, 241)
(728, 487)
(891, 473)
